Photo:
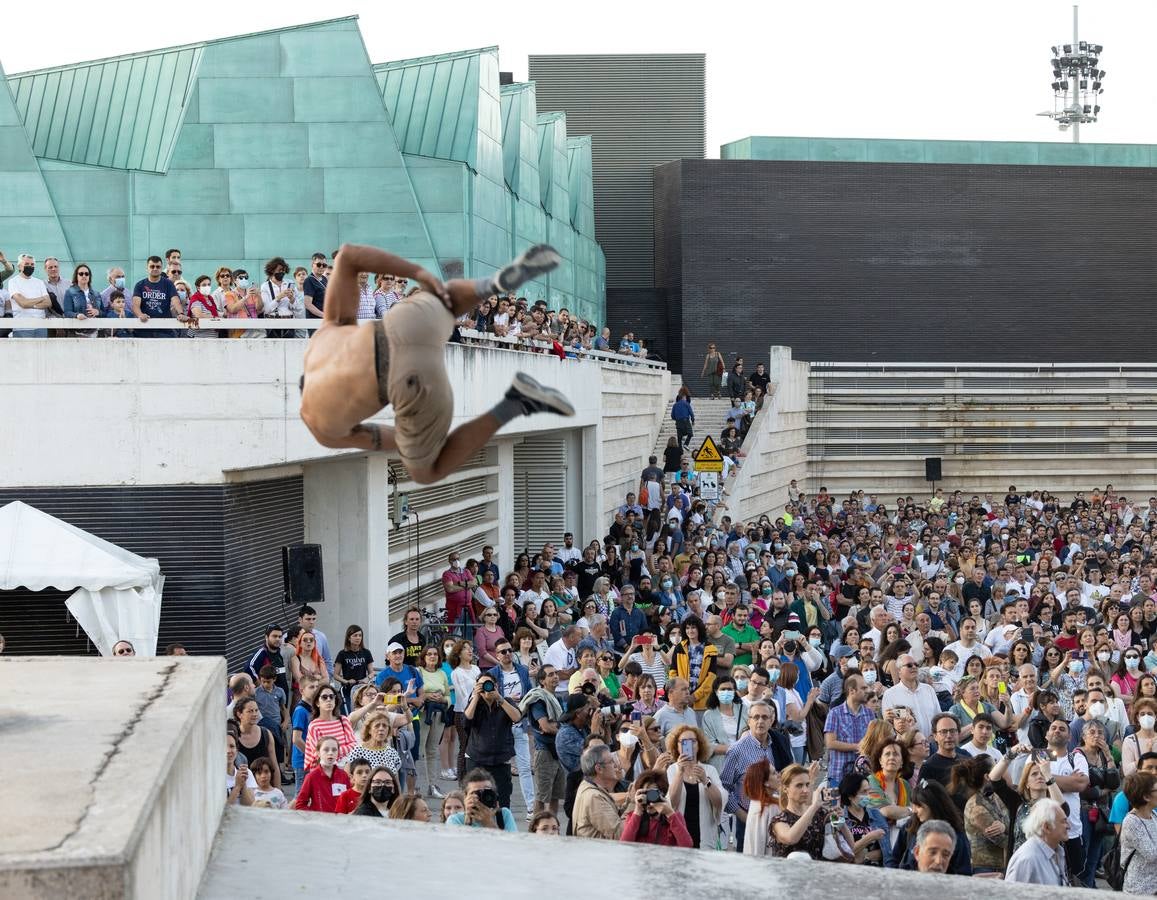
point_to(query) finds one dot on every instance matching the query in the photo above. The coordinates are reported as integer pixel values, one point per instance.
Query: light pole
(1076, 83)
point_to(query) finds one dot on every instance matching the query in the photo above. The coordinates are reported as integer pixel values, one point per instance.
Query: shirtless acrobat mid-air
(353, 371)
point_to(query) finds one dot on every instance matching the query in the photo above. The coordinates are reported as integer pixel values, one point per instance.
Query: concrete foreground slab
(112, 778)
(444, 861)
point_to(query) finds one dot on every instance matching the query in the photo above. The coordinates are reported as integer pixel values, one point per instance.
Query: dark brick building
(1020, 252)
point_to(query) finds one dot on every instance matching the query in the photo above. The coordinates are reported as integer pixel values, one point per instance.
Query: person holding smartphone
(695, 788)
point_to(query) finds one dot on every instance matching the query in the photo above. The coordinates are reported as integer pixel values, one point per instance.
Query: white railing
(469, 335)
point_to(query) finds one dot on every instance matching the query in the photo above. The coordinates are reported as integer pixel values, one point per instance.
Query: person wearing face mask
(116, 282)
(724, 721)
(669, 596)
(1128, 673)
(832, 687)
(235, 300)
(201, 305)
(277, 294)
(28, 296)
(1143, 740)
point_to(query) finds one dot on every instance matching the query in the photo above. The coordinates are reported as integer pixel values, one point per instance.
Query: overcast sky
(977, 70)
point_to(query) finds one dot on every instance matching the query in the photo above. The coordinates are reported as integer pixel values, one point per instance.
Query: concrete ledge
(447, 862)
(113, 780)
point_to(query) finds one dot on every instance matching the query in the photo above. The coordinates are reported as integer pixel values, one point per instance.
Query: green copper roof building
(288, 142)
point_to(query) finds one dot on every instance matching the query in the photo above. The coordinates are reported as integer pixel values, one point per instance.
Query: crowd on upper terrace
(279, 291)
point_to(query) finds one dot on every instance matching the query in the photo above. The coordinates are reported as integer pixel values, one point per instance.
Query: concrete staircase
(710, 416)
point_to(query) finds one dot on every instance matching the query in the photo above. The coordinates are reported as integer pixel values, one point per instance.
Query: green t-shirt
(747, 635)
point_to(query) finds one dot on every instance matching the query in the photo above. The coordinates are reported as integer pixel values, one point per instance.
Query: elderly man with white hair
(28, 296)
(879, 617)
(1041, 859)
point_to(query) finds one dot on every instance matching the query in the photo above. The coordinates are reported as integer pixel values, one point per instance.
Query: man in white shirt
(561, 655)
(568, 553)
(28, 296)
(1071, 773)
(1022, 702)
(1002, 635)
(968, 646)
(910, 692)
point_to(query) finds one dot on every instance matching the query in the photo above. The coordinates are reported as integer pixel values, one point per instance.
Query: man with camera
(596, 814)
(483, 807)
(490, 742)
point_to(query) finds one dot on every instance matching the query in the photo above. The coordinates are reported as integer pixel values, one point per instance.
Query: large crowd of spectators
(963, 684)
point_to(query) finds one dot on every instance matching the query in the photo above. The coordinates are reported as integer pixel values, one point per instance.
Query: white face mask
(1097, 709)
(627, 740)
(1104, 657)
(1147, 721)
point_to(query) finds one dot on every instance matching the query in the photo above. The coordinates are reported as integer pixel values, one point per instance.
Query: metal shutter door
(540, 473)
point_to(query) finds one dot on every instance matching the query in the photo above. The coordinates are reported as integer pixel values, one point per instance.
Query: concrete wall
(134, 812)
(634, 402)
(776, 444)
(187, 412)
(165, 412)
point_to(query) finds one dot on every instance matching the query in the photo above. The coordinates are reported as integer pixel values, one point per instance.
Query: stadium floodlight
(1077, 82)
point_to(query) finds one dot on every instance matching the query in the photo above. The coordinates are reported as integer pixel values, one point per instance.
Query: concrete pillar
(346, 511)
(504, 552)
(591, 524)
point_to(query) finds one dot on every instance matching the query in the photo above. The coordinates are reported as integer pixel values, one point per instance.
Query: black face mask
(28, 270)
(279, 275)
(383, 793)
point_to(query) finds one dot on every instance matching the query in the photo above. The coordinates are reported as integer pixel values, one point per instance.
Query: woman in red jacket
(653, 821)
(325, 782)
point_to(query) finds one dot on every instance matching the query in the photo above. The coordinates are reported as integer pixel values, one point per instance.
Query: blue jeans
(799, 754)
(30, 333)
(876, 820)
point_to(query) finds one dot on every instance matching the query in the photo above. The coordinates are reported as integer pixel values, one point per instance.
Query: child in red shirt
(325, 782)
(359, 772)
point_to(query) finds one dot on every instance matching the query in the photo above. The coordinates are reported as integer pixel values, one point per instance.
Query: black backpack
(1114, 870)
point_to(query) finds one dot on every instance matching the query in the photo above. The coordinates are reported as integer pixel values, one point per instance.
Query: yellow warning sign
(707, 457)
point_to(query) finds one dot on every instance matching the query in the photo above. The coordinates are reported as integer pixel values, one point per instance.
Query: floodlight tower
(1076, 83)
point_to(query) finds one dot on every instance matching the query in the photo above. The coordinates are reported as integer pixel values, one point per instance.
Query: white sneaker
(432, 791)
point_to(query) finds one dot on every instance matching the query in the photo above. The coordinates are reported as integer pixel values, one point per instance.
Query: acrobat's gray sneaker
(537, 260)
(536, 398)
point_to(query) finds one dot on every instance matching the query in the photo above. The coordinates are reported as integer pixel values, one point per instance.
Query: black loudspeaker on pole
(302, 573)
(932, 469)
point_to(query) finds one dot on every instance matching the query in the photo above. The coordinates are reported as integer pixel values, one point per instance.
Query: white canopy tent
(118, 594)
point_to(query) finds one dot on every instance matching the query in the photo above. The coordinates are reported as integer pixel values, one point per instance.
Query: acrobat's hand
(432, 284)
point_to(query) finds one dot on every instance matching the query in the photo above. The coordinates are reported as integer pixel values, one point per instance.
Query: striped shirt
(323, 728)
(743, 753)
(850, 728)
(657, 669)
